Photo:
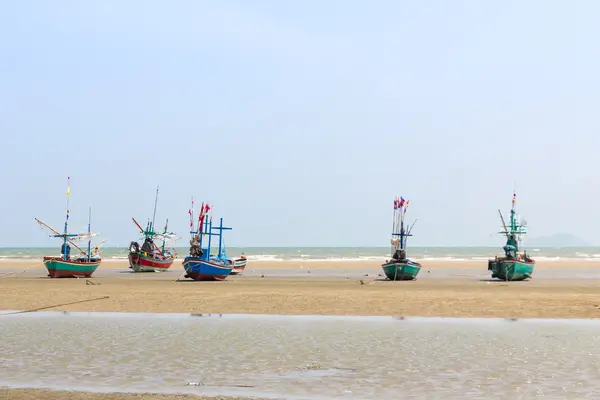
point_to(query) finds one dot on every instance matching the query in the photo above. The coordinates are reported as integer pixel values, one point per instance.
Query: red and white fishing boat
(150, 257)
(239, 264)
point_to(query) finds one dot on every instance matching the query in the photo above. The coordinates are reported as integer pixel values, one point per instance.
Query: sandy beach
(451, 289)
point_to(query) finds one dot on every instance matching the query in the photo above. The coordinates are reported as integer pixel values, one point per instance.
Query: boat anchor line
(56, 305)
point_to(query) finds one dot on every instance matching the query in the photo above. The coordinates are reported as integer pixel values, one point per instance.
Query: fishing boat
(64, 266)
(151, 257)
(514, 266)
(400, 268)
(200, 265)
(239, 264)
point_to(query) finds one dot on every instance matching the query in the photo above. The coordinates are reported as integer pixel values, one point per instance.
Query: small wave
(264, 257)
(443, 259)
(15, 257)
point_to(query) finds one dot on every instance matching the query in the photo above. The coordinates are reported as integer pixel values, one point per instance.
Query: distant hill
(557, 240)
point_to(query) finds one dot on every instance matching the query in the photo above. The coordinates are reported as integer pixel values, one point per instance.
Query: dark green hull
(511, 269)
(59, 268)
(401, 270)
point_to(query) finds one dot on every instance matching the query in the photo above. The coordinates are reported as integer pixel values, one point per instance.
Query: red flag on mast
(201, 218)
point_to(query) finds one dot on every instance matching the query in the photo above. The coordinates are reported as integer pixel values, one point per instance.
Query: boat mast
(220, 228)
(164, 237)
(200, 229)
(220, 236)
(395, 216)
(89, 235)
(67, 218)
(192, 218)
(401, 229)
(513, 231)
(154, 216)
(58, 234)
(403, 233)
(209, 229)
(513, 222)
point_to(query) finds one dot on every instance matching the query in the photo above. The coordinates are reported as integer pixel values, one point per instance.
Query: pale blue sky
(300, 121)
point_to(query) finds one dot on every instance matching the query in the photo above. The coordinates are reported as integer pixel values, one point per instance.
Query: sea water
(306, 357)
(307, 254)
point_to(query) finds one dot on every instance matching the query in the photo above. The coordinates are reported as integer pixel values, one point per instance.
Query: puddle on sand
(302, 357)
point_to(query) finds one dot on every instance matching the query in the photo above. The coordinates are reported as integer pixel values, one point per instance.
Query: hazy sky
(301, 120)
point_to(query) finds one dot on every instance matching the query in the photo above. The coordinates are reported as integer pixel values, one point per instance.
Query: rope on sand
(56, 305)
(179, 278)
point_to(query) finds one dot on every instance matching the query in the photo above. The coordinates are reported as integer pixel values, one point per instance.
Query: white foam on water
(264, 257)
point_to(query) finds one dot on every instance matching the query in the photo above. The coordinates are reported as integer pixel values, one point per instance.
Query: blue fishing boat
(200, 265)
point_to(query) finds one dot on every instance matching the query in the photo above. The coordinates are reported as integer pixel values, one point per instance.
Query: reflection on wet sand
(309, 357)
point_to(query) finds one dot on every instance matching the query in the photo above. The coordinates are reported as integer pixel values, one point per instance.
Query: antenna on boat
(503, 223)
(155, 202)
(408, 232)
(410, 229)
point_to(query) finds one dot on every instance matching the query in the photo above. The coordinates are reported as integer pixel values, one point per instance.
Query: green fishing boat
(400, 268)
(515, 265)
(66, 266)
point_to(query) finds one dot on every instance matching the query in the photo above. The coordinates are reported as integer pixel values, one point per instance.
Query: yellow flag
(68, 186)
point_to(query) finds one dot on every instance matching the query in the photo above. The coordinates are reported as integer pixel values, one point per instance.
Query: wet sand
(35, 394)
(451, 289)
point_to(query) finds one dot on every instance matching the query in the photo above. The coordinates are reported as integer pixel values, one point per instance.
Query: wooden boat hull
(142, 263)
(511, 269)
(401, 270)
(206, 270)
(59, 268)
(238, 266)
